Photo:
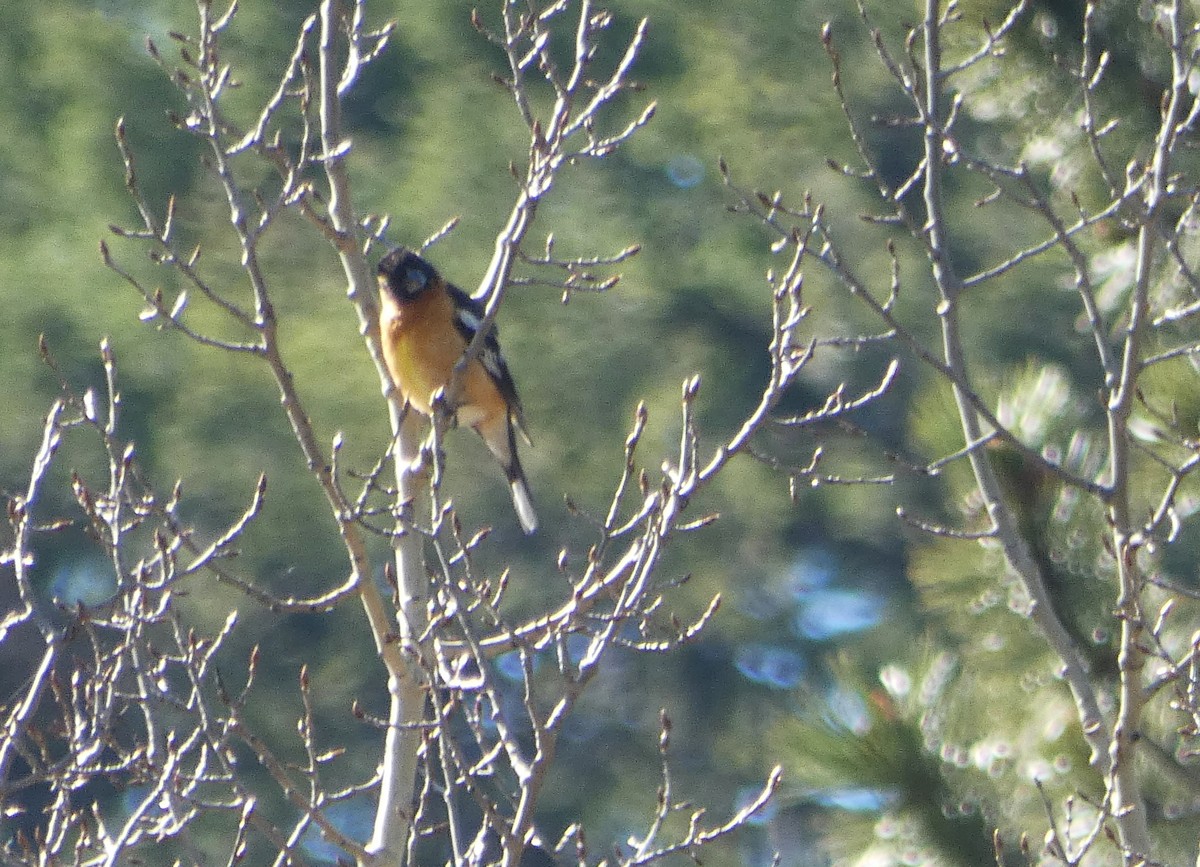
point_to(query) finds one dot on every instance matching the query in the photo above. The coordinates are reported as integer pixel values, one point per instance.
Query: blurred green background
(886, 672)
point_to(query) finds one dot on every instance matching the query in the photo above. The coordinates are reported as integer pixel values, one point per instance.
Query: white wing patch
(492, 362)
(469, 320)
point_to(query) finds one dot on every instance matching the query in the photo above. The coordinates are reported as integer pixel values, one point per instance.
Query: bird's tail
(502, 442)
(523, 503)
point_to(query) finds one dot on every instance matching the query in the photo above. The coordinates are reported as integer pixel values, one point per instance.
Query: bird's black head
(405, 275)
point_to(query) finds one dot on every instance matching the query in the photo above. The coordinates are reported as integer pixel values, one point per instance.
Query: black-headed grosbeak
(426, 324)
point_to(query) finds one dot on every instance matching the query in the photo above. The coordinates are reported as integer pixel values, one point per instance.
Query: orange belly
(421, 359)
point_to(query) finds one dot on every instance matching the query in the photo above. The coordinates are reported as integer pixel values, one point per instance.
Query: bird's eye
(417, 277)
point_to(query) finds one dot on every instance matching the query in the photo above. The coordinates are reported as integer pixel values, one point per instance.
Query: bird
(426, 324)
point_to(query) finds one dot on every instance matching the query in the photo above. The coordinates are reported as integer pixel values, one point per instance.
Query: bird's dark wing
(468, 316)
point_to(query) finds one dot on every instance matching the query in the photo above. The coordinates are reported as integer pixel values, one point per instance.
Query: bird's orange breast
(421, 345)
